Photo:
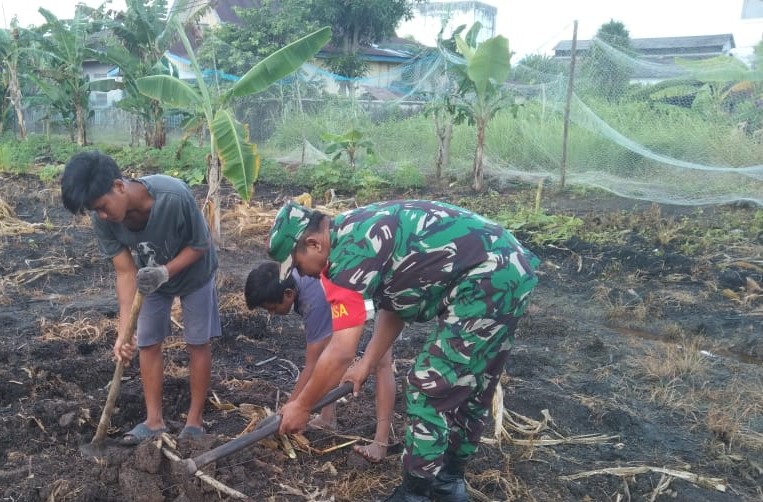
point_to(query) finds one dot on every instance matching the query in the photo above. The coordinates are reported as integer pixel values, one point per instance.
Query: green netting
(691, 135)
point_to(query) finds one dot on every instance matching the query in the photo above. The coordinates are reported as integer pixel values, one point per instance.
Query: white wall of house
(380, 74)
(94, 70)
(429, 18)
(183, 65)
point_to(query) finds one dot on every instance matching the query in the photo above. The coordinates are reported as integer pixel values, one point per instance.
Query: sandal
(140, 433)
(374, 452)
(191, 432)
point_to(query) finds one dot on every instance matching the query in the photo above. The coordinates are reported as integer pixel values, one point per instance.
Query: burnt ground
(640, 359)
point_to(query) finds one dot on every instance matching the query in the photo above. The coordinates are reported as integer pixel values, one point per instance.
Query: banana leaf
(170, 91)
(238, 156)
(280, 64)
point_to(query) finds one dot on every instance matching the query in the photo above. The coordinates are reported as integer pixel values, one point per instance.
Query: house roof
(658, 55)
(392, 50)
(225, 9)
(662, 44)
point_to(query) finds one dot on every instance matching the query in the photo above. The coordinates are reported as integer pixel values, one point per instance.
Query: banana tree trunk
(135, 128)
(477, 169)
(160, 134)
(444, 129)
(156, 129)
(81, 127)
(14, 90)
(212, 204)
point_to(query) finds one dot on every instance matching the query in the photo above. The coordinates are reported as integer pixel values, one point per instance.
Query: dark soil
(639, 354)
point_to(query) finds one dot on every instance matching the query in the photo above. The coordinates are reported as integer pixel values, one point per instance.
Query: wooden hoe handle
(116, 380)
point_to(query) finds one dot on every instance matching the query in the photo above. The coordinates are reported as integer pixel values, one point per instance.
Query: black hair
(313, 226)
(263, 285)
(87, 176)
(314, 223)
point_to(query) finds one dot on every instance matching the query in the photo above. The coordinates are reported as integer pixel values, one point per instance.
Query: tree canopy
(235, 47)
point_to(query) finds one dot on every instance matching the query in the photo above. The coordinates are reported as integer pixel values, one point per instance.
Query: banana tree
(480, 96)
(717, 87)
(65, 50)
(231, 154)
(13, 43)
(349, 143)
(141, 37)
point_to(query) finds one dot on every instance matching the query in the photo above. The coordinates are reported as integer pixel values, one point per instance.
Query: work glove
(150, 278)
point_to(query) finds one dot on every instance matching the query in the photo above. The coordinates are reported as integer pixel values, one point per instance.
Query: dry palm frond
(252, 222)
(514, 422)
(310, 494)
(51, 265)
(10, 225)
(237, 384)
(76, 329)
(361, 487)
(287, 446)
(235, 303)
(627, 472)
(751, 439)
(221, 405)
(498, 411)
(254, 413)
(173, 343)
(175, 370)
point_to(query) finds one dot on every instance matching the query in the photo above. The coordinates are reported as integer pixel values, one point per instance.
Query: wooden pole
(571, 79)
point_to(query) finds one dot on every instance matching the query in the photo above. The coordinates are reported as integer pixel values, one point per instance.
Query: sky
(27, 10)
(535, 26)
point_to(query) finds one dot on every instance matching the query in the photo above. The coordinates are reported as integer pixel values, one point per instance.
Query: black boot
(412, 489)
(449, 485)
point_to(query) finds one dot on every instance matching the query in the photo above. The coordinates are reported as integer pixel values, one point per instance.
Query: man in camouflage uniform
(414, 261)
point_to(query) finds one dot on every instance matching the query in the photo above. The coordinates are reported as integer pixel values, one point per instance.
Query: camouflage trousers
(452, 382)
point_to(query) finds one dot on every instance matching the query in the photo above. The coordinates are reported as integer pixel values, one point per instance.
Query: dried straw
(10, 225)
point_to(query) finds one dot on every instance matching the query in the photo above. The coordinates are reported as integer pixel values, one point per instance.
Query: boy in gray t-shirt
(160, 244)
(306, 296)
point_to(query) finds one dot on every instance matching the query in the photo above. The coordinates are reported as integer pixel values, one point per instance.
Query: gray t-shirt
(311, 304)
(174, 223)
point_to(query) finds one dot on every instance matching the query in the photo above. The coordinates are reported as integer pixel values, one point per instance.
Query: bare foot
(374, 452)
(319, 423)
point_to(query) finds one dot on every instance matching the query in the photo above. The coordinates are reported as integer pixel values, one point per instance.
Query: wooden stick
(260, 363)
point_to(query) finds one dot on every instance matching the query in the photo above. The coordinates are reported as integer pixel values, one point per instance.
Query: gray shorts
(201, 317)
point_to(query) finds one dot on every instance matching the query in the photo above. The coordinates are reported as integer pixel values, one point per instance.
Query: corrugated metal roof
(662, 43)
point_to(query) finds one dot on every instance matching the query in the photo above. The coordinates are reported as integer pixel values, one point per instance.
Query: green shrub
(182, 160)
(19, 156)
(5, 158)
(50, 172)
(274, 173)
(540, 228)
(368, 185)
(408, 176)
(328, 175)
